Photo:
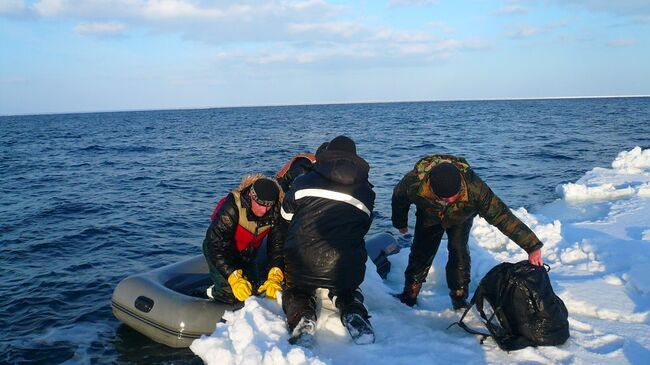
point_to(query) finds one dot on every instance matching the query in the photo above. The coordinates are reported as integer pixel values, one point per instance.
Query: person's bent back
(329, 210)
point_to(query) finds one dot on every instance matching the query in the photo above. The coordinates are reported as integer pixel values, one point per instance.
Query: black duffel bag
(527, 310)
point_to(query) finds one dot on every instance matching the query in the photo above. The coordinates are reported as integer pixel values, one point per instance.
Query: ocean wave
(120, 149)
(70, 209)
(553, 156)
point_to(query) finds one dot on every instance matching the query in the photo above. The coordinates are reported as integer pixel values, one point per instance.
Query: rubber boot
(459, 298)
(354, 317)
(350, 302)
(410, 293)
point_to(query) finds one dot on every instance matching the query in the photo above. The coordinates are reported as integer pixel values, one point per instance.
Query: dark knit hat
(445, 180)
(265, 191)
(342, 143)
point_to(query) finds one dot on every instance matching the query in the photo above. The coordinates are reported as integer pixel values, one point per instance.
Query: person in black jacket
(240, 222)
(329, 210)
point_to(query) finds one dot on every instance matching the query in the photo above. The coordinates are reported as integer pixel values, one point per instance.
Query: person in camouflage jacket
(448, 194)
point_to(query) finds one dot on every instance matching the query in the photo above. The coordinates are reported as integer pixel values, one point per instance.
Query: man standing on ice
(329, 210)
(448, 194)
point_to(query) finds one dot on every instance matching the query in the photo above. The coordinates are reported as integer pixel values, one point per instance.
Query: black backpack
(522, 299)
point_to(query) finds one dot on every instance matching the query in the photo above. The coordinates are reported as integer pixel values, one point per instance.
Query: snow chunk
(489, 237)
(627, 177)
(646, 235)
(644, 191)
(579, 192)
(577, 253)
(632, 161)
(637, 279)
(614, 280)
(251, 335)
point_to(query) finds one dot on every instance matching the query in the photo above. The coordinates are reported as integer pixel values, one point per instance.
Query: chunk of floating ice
(632, 161)
(613, 280)
(579, 192)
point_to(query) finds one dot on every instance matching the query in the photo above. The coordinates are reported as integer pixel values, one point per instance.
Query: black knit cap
(265, 191)
(445, 180)
(342, 143)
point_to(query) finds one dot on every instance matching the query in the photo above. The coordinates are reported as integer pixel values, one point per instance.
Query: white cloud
(637, 9)
(641, 19)
(363, 53)
(401, 36)
(49, 7)
(12, 7)
(444, 27)
(513, 8)
(245, 10)
(526, 30)
(314, 56)
(169, 9)
(623, 42)
(101, 29)
(13, 81)
(200, 20)
(275, 32)
(343, 29)
(280, 55)
(411, 2)
(621, 7)
(523, 31)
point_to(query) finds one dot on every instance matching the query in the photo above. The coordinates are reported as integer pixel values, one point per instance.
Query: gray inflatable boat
(169, 304)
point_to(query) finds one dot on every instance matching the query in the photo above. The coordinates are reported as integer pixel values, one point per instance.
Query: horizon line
(327, 103)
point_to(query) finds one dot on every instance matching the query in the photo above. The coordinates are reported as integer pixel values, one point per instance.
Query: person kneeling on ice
(329, 210)
(448, 194)
(240, 222)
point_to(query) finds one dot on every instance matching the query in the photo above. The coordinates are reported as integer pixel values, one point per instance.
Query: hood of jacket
(342, 167)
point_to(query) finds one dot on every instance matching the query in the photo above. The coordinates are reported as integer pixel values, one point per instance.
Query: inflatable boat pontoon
(169, 304)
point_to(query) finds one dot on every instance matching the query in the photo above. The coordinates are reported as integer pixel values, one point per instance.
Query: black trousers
(425, 246)
(299, 302)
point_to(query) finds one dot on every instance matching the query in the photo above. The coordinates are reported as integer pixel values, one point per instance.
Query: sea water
(88, 199)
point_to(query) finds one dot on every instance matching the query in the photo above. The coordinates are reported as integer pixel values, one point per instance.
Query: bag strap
(477, 300)
(476, 297)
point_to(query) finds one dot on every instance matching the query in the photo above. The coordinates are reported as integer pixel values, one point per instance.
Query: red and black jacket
(235, 234)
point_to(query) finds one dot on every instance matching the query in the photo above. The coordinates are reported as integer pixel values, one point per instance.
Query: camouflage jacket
(475, 198)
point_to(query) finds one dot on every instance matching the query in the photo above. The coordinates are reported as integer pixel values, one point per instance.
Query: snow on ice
(597, 243)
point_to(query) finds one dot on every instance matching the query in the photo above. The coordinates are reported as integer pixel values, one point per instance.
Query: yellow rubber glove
(241, 287)
(273, 283)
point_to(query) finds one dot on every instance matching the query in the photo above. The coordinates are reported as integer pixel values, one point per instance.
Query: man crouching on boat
(240, 222)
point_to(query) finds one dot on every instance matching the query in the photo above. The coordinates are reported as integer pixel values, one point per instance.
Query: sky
(102, 55)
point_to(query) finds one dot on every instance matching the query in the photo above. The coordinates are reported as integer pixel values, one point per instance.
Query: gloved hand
(535, 257)
(273, 283)
(241, 287)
